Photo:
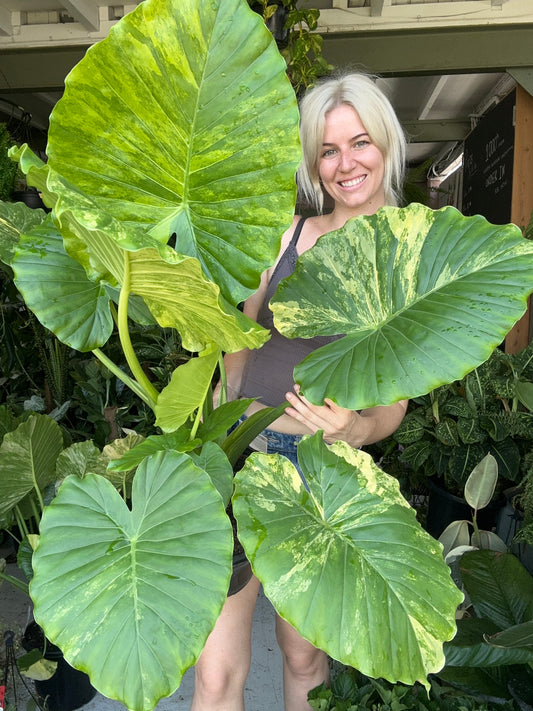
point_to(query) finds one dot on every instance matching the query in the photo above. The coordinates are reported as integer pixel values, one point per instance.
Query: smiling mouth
(352, 183)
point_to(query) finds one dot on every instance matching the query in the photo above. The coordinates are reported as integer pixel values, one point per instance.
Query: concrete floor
(263, 690)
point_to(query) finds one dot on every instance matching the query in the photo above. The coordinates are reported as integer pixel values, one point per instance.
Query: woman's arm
(338, 423)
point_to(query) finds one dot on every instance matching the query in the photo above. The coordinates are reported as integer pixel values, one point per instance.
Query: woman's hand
(338, 423)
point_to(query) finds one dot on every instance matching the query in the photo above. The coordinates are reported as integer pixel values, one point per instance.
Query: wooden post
(522, 199)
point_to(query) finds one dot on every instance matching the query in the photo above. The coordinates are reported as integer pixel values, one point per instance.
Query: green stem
(223, 397)
(19, 584)
(196, 424)
(434, 406)
(121, 375)
(124, 335)
(481, 391)
(35, 511)
(21, 523)
(476, 538)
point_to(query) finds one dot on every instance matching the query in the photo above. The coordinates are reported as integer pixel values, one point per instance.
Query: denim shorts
(272, 442)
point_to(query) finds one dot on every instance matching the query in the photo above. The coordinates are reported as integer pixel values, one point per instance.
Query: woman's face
(351, 167)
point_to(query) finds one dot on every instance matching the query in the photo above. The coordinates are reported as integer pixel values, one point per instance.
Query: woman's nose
(347, 161)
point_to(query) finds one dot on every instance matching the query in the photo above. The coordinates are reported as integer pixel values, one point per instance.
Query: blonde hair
(377, 116)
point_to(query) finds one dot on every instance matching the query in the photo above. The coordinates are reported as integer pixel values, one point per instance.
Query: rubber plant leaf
(419, 298)
(183, 120)
(55, 287)
(28, 458)
(15, 219)
(352, 533)
(517, 636)
(481, 483)
(469, 648)
(145, 589)
(499, 586)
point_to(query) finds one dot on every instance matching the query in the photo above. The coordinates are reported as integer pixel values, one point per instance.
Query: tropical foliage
(171, 178)
(449, 430)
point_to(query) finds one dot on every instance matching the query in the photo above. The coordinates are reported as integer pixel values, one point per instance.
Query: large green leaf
(183, 119)
(346, 562)
(420, 296)
(173, 287)
(133, 603)
(28, 458)
(179, 296)
(56, 288)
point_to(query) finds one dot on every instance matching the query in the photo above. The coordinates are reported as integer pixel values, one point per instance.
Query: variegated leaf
(420, 298)
(346, 562)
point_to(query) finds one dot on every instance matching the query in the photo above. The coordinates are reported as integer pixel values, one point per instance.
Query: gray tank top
(268, 374)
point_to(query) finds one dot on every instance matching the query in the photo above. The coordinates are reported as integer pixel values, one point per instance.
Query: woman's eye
(328, 153)
(363, 143)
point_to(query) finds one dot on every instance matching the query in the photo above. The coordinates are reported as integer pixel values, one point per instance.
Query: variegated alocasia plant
(171, 178)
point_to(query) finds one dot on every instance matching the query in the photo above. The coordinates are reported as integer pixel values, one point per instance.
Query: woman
(354, 150)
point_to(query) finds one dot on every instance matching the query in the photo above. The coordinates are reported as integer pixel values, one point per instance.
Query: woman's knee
(215, 683)
(300, 656)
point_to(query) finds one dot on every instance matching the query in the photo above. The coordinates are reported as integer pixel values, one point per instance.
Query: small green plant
(449, 430)
(301, 46)
(491, 655)
(352, 691)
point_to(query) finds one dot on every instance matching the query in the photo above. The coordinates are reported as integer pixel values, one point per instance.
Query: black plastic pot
(445, 507)
(29, 197)
(68, 688)
(510, 521)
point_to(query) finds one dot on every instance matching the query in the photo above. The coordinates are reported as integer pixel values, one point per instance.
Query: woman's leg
(221, 670)
(304, 666)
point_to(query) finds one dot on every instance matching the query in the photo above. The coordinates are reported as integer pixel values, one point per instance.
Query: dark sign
(488, 164)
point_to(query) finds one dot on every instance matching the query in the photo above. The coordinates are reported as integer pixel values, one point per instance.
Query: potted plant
(168, 198)
(449, 430)
(491, 654)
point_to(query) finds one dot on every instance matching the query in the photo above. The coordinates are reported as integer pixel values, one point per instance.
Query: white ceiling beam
(6, 25)
(461, 13)
(432, 96)
(85, 12)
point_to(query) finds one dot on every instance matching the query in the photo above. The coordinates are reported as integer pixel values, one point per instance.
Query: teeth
(351, 183)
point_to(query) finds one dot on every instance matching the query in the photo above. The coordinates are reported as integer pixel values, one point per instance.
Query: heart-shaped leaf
(137, 598)
(173, 122)
(420, 297)
(346, 563)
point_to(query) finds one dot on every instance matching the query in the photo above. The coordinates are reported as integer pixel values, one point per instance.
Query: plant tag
(259, 444)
